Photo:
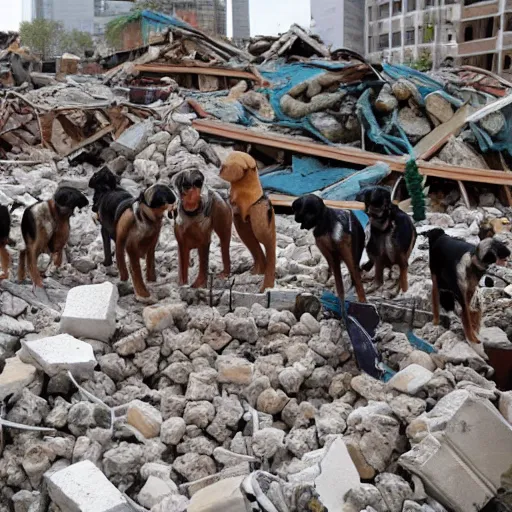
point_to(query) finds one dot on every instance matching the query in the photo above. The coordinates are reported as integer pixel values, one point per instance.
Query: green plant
(76, 42)
(423, 63)
(115, 27)
(41, 36)
(414, 182)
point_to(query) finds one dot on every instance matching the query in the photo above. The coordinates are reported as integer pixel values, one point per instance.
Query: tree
(76, 42)
(41, 36)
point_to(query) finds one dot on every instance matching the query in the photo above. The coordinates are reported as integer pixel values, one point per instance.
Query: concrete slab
(411, 379)
(462, 463)
(82, 487)
(59, 353)
(338, 475)
(222, 496)
(90, 312)
(15, 376)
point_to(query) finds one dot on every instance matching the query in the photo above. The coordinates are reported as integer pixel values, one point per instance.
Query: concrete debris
(15, 376)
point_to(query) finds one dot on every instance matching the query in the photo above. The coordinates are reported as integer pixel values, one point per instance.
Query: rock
(505, 405)
(407, 408)
(147, 361)
(11, 305)
(173, 503)
(134, 139)
(242, 329)
(493, 123)
(199, 413)
(457, 152)
(186, 342)
(173, 148)
(327, 125)
(145, 418)
(36, 462)
(414, 124)
(153, 492)
(366, 495)
(146, 171)
(403, 89)
(310, 322)
(58, 417)
(130, 345)
(157, 318)
(117, 165)
(301, 441)
(124, 461)
(271, 401)
(173, 430)
(85, 415)
(366, 472)
(386, 102)
(60, 353)
(234, 370)
(90, 311)
(368, 387)
(419, 358)
(11, 326)
(394, 489)
(82, 487)
(113, 366)
(24, 500)
(331, 419)
(146, 153)
(229, 412)
(291, 380)
(15, 376)
(494, 337)
(189, 137)
(160, 138)
(202, 386)
(267, 441)
(192, 466)
(439, 107)
(29, 409)
(411, 379)
(84, 265)
(223, 496)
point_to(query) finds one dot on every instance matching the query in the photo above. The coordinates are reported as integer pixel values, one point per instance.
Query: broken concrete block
(235, 370)
(59, 353)
(134, 139)
(414, 124)
(411, 379)
(386, 101)
(457, 152)
(82, 487)
(494, 337)
(467, 449)
(90, 311)
(338, 475)
(145, 418)
(223, 496)
(438, 107)
(15, 376)
(158, 318)
(153, 492)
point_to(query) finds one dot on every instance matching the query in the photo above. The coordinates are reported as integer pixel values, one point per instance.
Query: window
(428, 33)
(468, 33)
(383, 11)
(430, 3)
(409, 37)
(450, 2)
(383, 41)
(397, 7)
(411, 5)
(370, 13)
(396, 39)
(450, 37)
(508, 62)
(370, 44)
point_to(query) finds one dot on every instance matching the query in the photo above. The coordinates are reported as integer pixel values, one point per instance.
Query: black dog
(392, 235)
(5, 240)
(456, 268)
(109, 202)
(45, 228)
(339, 236)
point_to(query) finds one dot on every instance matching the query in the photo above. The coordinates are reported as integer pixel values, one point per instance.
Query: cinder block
(82, 487)
(462, 463)
(90, 312)
(59, 353)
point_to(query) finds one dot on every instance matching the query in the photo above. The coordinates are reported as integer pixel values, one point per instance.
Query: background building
(339, 23)
(241, 20)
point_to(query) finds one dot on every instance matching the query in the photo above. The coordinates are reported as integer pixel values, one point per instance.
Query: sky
(268, 17)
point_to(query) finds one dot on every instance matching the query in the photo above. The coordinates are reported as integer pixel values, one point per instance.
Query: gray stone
(153, 492)
(266, 442)
(202, 386)
(394, 489)
(414, 124)
(301, 441)
(386, 101)
(242, 329)
(29, 409)
(271, 401)
(192, 466)
(145, 418)
(173, 430)
(199, 413)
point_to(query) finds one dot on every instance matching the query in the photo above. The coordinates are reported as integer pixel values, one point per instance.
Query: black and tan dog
(253, 213)
(109, 202)
(45, 228)
(137, 229)
(339, 236)
(5, 240)
(392, 235)
(201, 211)
(456, 268)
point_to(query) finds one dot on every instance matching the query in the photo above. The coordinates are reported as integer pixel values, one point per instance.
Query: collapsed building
(227, 398)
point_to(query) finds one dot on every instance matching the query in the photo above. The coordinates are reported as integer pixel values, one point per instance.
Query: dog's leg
(264, 230)
(4, 257)
(183, 262)
(403, 279)
(32, 255)
(122, 231)
(436, 298)
(203, 252)
(246, 234)
(223, 225)
(136, 272)
(467, 323)
(107, 249)
(378, 280)
(150, 260)
(355, 273)
(22, 269)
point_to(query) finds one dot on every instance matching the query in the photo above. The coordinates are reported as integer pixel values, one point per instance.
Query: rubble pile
(226, 398)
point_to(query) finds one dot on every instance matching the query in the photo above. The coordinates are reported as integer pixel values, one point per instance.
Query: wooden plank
(349, 154)
(436, 139)
(284, 200)
(197, 70)
(97, 136)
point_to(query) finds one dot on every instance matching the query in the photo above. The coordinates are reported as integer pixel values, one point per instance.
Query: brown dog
(137, 228)
(201, 211)
(253, 213)
(45, 228)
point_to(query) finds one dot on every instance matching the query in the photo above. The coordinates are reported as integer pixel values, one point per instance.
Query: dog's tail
(433, 235)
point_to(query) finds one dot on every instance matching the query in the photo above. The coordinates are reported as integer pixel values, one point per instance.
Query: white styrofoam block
(82, 487)
(338, 475)
(90, 312)
(59, 353)
(462, 463)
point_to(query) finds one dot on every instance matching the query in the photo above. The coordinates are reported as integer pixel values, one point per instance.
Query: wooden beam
(349, 154)
(286, 201)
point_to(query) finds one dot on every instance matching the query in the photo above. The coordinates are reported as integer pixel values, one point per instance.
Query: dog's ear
(236, 166)
(197, 179)
(178, 181)
(298, 205)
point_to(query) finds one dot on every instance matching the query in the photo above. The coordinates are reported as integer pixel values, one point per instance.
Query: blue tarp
(158, 22)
